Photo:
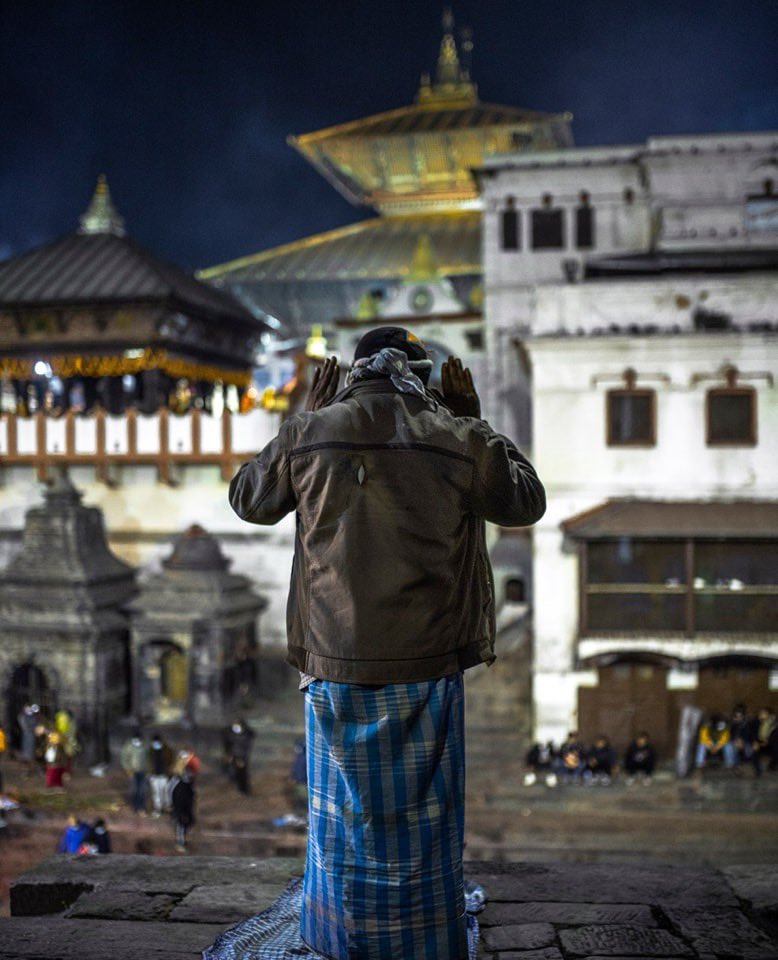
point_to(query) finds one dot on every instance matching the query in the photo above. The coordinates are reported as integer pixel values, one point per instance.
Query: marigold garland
(73, 365)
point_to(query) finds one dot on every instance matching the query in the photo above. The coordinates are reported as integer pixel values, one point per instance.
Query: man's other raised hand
(458, 390)
(324, 385)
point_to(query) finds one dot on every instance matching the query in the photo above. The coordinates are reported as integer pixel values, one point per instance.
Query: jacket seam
(410, 446)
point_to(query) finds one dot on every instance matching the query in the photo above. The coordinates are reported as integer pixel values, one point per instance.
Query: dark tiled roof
(105, 268)
(676, 519)
(381, 247)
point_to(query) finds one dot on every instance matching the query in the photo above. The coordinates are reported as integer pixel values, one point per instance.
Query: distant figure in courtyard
(160, 764)
(298, 775)
(571, 760)
(391, 600)
(99, 837)
(65, 726)
(713, 743)
(73, 835)
(742, 730)
(640, 758)
(56, 760)
(541, 760)
(182, 801)
(28, 721)
(134, 760)
(240, 738)
(600, 760)
(764, 746)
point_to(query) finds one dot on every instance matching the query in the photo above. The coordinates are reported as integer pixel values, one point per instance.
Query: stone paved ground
(131, 907)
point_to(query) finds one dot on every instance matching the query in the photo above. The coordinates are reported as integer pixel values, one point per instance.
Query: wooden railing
(163, 440)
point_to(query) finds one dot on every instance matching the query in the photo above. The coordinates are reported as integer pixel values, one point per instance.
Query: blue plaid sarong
(274, 934)
(386, 779)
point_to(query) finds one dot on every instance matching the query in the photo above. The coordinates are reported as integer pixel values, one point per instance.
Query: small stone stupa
(62, 621)
(194, 637)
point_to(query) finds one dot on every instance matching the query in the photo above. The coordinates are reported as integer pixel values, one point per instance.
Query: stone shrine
(62, 621)
(194, 637)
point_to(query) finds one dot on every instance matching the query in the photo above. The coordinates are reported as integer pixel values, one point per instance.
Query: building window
(697, 586)
(548, 228)
(510, 237)
(730, 417)
(630, 416)
(629, 196)
(584, 224)
(475, 339)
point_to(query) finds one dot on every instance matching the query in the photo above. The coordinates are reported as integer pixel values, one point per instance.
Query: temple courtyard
(674, 868)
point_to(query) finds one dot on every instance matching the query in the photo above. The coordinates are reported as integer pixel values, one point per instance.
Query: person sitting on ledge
(640, 758)
(391, 600)
(713, 743)
(570, 762)
(600, 760)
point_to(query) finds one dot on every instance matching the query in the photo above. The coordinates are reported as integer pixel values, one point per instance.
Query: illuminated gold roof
(382, 247)
(424, 152)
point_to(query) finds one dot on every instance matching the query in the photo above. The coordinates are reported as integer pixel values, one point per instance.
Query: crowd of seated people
(739, 740)
(742, 739)
(576, 762)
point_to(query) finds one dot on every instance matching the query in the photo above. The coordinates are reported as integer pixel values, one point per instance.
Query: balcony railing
(163, 440)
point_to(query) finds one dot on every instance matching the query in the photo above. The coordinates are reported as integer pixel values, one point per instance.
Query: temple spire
(101, 215)
(452, 82)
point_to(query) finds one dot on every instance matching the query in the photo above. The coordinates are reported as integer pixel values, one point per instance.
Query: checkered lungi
(386, 779)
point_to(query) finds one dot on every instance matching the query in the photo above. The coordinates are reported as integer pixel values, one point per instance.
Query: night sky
(186, 105)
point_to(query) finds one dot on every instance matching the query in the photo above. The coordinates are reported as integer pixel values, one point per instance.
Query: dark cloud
(186, 105)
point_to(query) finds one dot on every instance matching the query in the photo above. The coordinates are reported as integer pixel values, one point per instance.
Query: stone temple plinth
(65, 636)
(194, 637)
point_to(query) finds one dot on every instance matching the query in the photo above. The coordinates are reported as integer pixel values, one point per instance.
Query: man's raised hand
(324, 385)
(458, 389)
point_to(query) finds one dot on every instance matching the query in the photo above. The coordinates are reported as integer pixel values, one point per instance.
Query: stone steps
(168, 908)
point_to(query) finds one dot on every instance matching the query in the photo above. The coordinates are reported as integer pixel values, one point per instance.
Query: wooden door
(629, 697)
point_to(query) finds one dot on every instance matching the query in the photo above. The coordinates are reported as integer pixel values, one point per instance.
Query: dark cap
(397, 337)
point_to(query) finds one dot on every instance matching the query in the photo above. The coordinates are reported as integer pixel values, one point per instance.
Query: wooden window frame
(510, 208)
(743, 391)
(545, 210)
(610, 440)
(686, 588)
(592, 227)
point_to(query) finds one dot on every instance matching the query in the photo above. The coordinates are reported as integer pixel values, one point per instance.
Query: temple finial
(452, 82)
(101, 215)
(448, 58)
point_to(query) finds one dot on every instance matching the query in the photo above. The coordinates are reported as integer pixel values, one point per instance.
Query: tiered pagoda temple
(93, 319)
(412, 166)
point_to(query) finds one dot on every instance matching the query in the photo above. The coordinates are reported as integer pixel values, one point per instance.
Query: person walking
(160, 762)
(182, 799)
(134, 760)
(28, 721)
(240, 739)
(391, 599)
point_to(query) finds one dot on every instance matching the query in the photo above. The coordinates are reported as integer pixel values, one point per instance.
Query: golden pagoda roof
(381, 247)
(424, 152)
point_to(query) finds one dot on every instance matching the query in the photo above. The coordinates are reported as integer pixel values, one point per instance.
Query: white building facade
(631, 303)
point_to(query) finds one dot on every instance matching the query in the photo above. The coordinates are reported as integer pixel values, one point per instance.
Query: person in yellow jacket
(713, 740)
